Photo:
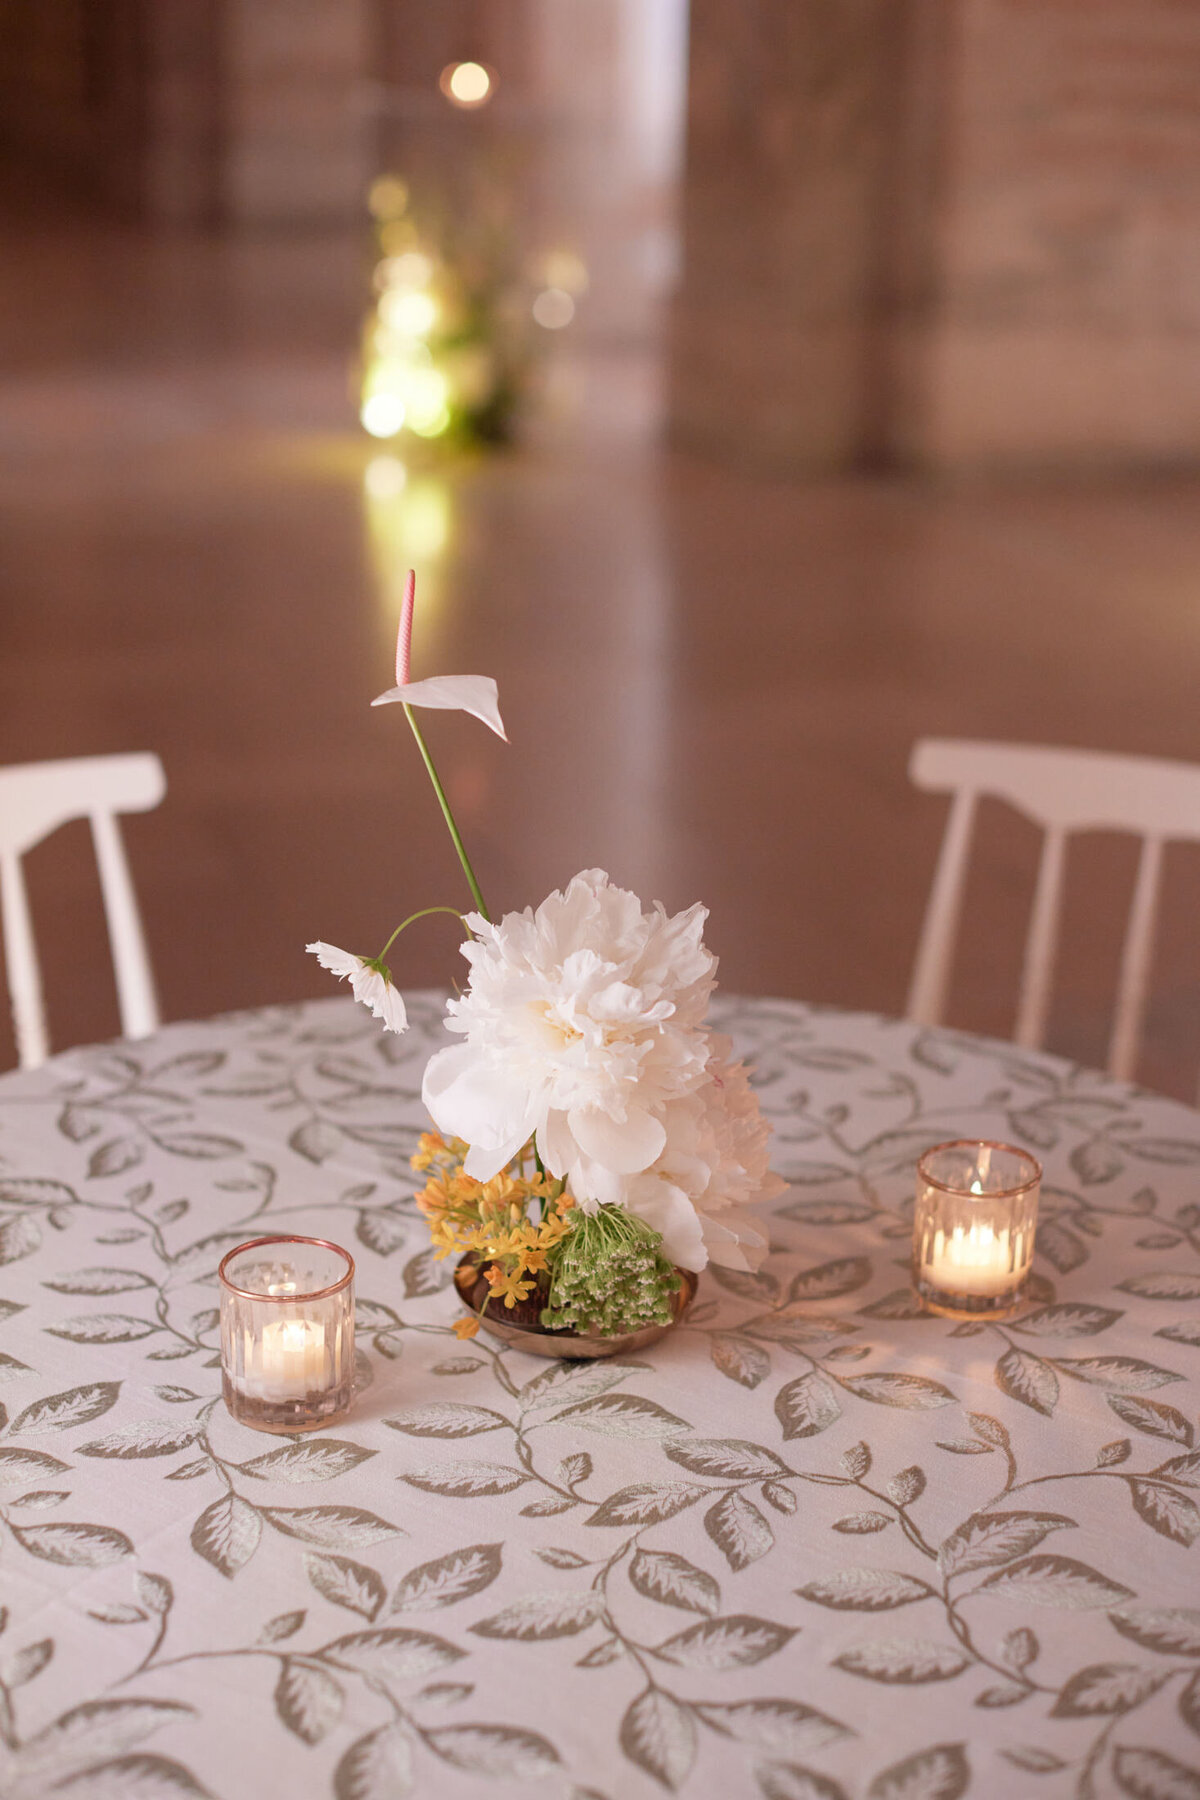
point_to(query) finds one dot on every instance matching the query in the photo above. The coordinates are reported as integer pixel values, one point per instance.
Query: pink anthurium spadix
(476, 694)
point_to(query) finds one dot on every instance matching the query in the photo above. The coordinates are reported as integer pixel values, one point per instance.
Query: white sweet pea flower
(475, 694)
(371, 980)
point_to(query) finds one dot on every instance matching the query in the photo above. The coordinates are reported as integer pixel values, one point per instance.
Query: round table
(816, 1545)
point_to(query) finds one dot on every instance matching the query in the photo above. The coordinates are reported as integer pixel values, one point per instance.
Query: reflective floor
(711, 678)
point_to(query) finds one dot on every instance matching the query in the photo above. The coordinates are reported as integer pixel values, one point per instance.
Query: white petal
(468, 1097)
(339, 962)
(375, 991)
(476, 694)
(555, 1145)
(593, 1185)
(482, 1164)
(389, 1006)
(668, 1211)
(370, 987)
(625, 1148)
(742, 1248)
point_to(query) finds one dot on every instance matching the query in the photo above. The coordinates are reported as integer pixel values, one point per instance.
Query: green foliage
(609, 1275)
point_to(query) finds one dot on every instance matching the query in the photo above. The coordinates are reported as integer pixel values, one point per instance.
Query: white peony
(582, 1020)
(584, 1028)
(714, 1162)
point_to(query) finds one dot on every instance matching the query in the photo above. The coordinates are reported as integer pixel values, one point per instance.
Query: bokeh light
(554, 308)
(408, 311)
(412, 270)
(564, 269)
(385, 477)
(397, 236)
(408, 525)
(427, 393)
(383, 414)
(456, 317)
(388, 197)
(425, 521)
(467, 84)
(431, 425)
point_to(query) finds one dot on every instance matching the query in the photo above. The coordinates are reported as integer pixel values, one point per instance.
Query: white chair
(1063, 791)
(35, 799)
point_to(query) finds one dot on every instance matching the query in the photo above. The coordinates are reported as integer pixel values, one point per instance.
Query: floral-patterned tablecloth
(814, 1546)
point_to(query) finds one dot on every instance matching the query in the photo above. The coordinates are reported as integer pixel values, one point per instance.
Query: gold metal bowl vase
(567, 1344)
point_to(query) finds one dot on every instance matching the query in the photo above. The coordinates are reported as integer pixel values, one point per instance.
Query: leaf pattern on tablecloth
(817, 1545)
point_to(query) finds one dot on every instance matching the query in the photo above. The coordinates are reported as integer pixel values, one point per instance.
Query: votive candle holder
(287, 1332)
(974, 1227)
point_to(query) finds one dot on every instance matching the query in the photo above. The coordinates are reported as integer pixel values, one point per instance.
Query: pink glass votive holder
(974, 1226)
(287, 1332)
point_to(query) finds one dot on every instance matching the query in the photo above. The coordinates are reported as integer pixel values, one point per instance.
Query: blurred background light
(425, 393)
(412, 270)
(388, 197)
(408, 521)
(564, 269)
(396, 236)
(408, 312)
(383, 414)
(554, 308)
(433, 423)
(425, 520)
(385, 477)
(467, 84)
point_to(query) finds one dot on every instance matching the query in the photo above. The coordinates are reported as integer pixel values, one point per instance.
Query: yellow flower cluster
(509, 1223)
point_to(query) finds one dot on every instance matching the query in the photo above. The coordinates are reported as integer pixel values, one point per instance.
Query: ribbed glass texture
(287, 1332)
(974, 1227)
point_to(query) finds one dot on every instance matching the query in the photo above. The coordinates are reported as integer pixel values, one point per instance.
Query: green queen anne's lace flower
(609, 1275)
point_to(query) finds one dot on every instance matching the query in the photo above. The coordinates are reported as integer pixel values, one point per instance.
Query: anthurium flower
(369, 976)
(371, 980)
(475, 694)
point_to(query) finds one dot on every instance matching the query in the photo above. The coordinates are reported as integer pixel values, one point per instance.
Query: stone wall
(296, 113)
(192, 112)
(47, 70)
(1067, 325)
(789, 108)
(955, 233)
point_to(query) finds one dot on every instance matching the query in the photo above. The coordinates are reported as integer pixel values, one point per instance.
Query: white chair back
(35, 799)
(1062, 791)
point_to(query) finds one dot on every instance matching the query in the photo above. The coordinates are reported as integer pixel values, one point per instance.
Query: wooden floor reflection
(711, 678)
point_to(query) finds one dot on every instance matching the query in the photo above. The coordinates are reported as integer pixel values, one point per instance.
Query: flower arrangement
(460, 315)
(593, 1135)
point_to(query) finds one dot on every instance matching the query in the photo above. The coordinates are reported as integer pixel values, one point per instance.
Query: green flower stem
(440, 791)
(412, 919)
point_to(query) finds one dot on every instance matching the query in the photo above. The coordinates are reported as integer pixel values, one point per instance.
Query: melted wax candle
(290, 1363)
(974, 1225)
(976, 1259)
